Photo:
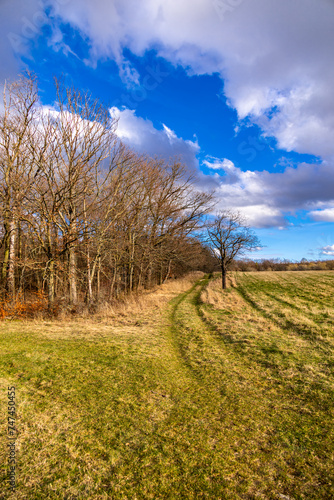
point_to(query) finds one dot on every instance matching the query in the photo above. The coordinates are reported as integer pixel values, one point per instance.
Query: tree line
(248, 265)
(83, 217)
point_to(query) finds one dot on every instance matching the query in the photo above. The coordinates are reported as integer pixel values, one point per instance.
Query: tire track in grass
(198, 356)
(178, 325)
(220, 404)
(304, 312)
(287, 325)
(187, 439)
(197, 341)
(246, 408)
(302, 307)
(293, 396)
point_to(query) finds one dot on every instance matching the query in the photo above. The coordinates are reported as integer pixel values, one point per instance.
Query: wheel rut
(199, 350)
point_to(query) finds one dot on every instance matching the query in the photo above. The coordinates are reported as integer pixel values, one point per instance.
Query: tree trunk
(51, 285)
(11, 260)
(19, 246)
(72, 276)
(140, 277)
(132, 240)
(98, 278)
(149, 276)
(223, 277)
(6, 256)
(89, 279)
(160, 274)
(131, 271)
(168, 271)
(112, 284)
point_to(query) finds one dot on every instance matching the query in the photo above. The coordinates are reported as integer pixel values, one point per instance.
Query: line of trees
(247, 265)
(82, 217)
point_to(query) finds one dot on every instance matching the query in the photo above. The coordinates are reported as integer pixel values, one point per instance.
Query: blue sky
(242, 90)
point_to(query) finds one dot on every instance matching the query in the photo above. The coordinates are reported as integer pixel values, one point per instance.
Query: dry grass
(133, 310)
(185, 392)
(66, 373)
(157, 298)
(212, 293)
(279, 344)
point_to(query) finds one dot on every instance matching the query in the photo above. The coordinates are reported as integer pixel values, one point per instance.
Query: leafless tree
(81, 215)
(17, 169)
(84, 139)
(174, 209)
(229, 236)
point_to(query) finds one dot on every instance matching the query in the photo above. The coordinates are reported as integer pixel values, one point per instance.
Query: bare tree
(174, 208)
(116, 195)
(72, 152)
(229, 236)
(17, 170)
(85, 138)
(80, 213)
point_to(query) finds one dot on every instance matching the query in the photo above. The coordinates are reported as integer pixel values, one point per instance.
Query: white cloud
(328, 250)
(255, 249)
(141, 135)
(274, 55)
(326, 215)
(217, 164)
(265, 198)
(56, 41)
(20, 23)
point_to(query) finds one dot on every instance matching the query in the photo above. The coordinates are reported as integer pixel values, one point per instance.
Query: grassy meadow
(187, 392)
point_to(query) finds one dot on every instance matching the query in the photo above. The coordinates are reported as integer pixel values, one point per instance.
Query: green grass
(215, 394)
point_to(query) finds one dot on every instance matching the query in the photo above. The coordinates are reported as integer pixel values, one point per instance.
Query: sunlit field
(187, 392)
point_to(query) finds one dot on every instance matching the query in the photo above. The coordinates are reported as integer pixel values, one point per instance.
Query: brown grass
(208, 395)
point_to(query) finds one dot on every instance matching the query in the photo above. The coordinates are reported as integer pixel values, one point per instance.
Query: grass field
(191, 393)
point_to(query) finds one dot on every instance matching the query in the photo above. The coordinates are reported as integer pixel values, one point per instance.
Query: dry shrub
(19, 308)
(129, 306)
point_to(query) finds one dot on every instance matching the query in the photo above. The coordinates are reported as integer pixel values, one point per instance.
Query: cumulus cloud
(265, 198)
(276, 65)
(20, 23)
(328, 250)
(326, 215)
(273, 55)
(141, 135)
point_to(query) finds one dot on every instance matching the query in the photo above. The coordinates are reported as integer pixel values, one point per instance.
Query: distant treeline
(282, 265)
